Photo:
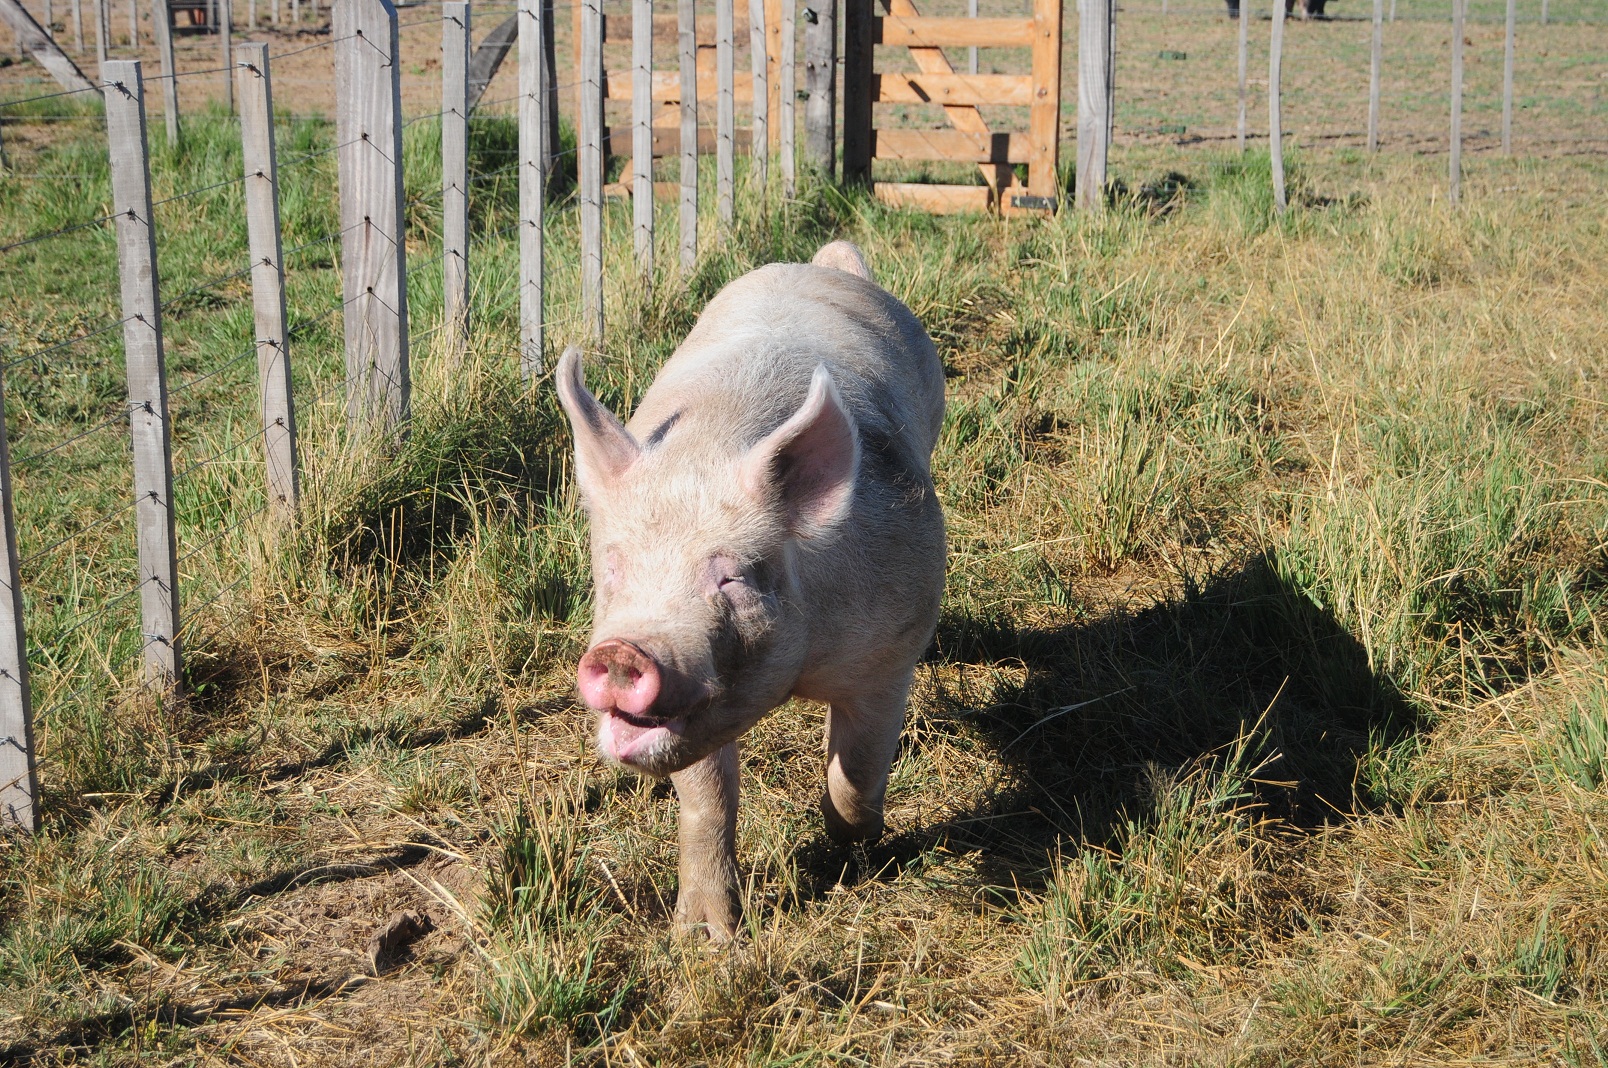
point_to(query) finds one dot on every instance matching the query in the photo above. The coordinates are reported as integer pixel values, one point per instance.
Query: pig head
(764, 527)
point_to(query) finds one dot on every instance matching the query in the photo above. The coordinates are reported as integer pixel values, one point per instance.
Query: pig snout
(616, 676)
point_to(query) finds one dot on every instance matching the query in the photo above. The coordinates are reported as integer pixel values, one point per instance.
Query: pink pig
(764, 528)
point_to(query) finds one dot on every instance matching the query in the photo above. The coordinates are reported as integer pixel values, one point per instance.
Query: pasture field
(1266, 723)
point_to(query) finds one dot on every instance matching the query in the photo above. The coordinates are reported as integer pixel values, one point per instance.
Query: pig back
(745, 367)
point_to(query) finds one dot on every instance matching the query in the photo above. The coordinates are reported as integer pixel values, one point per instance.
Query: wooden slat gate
(969, 138)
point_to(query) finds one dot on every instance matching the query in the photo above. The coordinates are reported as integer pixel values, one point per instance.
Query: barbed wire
(60, 232)
(40, 353)
(225, 532)
(214, 458)
(198, 379)
(94, 524)
(32, 457)
(202, 189)
(53, 96)
(208, 284)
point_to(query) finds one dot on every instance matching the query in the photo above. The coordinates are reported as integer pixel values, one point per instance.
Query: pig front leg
(707, 897)
(862, 738)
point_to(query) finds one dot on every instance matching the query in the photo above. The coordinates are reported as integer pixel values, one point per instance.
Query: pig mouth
(633, 740)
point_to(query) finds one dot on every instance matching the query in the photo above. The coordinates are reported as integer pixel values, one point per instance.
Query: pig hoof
(867, 828)
(697, 913)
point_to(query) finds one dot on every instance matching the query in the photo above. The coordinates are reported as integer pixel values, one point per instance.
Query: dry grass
(1265, 724)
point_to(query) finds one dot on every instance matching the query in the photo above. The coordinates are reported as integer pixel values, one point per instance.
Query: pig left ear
(808, 464)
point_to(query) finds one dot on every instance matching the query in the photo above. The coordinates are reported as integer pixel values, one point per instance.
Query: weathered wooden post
(226, 49)
(267, 276)
(1094, 101)
(78, 25)
(787, 75)
(133, 22)
(858, 76)
(1375, 61)
(162, 23)
(1455, 164)
(147, 374)
(820, 85)
(1275, 124)
(1244, 59)
(759, 122)
(1507, 79)
(533, 164)
(725, 110)
(100, 38)
(642, 135)
(455, 40)
(19, 783)
(368, 133)
(591, 167)
(687, 43)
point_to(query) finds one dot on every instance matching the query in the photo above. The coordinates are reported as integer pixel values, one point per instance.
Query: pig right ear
(603, 447)
(808, 465)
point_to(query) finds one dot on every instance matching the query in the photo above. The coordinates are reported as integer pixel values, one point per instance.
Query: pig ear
(808, 464)
(603, 447)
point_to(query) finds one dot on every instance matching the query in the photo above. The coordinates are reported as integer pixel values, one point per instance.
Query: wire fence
(84, 582)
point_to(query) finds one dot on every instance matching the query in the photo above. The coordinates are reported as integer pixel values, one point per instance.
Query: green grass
(1265, 723)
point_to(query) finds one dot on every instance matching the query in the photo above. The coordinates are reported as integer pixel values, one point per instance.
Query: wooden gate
(968, 139)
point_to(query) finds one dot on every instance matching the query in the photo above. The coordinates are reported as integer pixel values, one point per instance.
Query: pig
(764, 527)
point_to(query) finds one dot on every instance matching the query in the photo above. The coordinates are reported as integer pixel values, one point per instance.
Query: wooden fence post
(455, 42)
(78, 25)
(1244, 60)
(642, 134)
(533, 162)
(100, 37)
(725, 110)
(858, 64)
(133, 23)
(1094, 101)
(368, 131)
(147, 374)
(1275, 123)
(1375, 63)
(591, 167)
(820, 85)
(787, 75)
(161, 22)
(226, 49)
(1507, 79)
(1455, 164)
(19, 783)
(261, 161)
(759, 121)
(687, 43)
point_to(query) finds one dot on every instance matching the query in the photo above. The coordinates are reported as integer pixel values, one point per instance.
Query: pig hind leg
(707, 833)
(862, 738)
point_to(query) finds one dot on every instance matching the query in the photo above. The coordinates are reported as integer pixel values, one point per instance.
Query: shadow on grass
(1097, 718)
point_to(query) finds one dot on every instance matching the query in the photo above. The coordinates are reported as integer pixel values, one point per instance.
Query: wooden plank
(591, 168)
(907, 87)
(1507, 78)
(1455, 163)
(760, 122)
(1275, 118)
(368, 133)
(912, 31)
(149, 425)
(959, 146)
(962, 117)
(261, 166)
(1375, 59)
(938, 199)
(725, 112)
(41, 47)
(667, 139)
(1244, 60)
(1094, 101)
(820, 85)
(786, 96)
(456, 37)
(170, 81)
(534, 159)
(667, 84)
(19, 782)
(625, 191)
(642, 135)
(858, 62)
(1044, 119)
(687, 40)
